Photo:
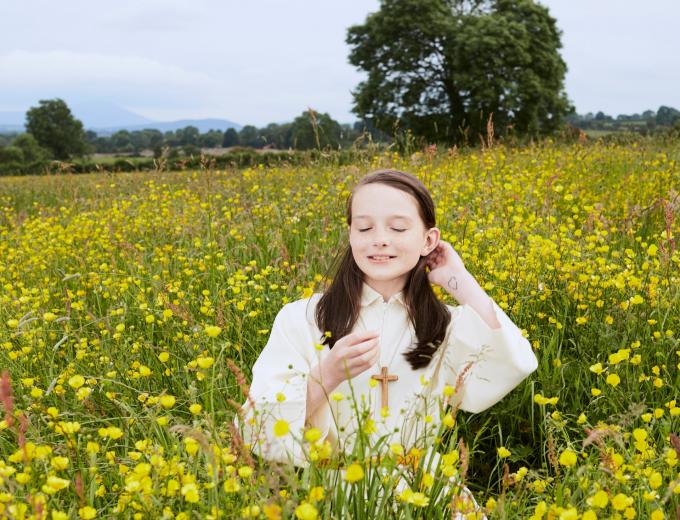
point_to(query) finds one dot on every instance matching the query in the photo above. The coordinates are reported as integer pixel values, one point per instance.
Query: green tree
(35, 157)
(24, 155)
(188, 135)
(441, 68)
(122, 141)
(230, 138)
(211, 139)
(11, 160)
(314, 130)
(667, 116)
(56, 129)
(250, 136)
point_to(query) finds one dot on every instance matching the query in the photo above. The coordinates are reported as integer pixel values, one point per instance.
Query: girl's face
(388, 236)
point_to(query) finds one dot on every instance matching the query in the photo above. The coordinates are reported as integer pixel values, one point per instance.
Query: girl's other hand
(350, 356)
(443, 261)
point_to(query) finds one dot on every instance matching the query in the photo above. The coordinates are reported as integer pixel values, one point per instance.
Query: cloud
(28, 75)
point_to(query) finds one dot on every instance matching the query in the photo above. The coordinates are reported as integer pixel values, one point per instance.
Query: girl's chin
(384, 273)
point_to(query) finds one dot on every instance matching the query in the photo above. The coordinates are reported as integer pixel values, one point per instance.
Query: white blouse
(501, 358)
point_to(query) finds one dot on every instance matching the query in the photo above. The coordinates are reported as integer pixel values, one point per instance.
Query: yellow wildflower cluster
(133, 306)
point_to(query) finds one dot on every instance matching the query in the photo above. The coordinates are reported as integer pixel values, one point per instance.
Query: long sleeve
(279, 390)
(502, 358)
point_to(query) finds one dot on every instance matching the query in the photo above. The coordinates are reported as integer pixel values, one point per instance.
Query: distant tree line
(645, 123)
(53, 133)
(309, 131)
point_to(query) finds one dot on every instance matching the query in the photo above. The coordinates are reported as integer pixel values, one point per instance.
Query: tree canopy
(56, 129)
(441, 68)
(312, 129)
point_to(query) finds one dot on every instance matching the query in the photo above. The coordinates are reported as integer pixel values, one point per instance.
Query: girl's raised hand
(443, 261)
(350, 356)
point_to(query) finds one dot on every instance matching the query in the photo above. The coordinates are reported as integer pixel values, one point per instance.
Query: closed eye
(395, 229)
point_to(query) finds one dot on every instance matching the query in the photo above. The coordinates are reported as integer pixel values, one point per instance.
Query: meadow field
(133, 305)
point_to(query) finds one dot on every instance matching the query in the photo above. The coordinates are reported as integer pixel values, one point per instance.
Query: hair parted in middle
(338, 308)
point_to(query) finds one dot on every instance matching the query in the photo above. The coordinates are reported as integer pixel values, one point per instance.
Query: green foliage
(249, 136)
(667, 116)
(443, 68)
(230, 138)
(648, 123)
(11, 160)
(23, 156)
(314, 130)
(55, 129)
(300, 134)
(35, 157)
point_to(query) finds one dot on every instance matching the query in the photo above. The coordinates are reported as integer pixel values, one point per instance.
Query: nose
(380, 241)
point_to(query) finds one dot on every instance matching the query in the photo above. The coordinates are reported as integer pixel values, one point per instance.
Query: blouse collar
(370, 295)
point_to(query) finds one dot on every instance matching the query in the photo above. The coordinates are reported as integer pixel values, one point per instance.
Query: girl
(380, 334)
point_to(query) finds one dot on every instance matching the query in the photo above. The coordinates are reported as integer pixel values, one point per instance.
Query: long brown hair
(338, 308)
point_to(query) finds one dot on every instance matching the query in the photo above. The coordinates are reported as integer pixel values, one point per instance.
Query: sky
(262, 61)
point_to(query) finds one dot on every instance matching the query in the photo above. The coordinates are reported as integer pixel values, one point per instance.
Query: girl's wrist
(327, 377)
(457, 269)
(453, 279)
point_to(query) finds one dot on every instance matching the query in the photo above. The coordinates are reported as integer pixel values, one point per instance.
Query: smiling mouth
(381, 257)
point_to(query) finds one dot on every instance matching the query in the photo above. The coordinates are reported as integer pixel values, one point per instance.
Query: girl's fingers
(361, 348)
(358, 337)
(368, 358)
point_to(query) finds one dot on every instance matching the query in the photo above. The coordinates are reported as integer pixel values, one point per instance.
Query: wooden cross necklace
(384, 376)
(384, 379)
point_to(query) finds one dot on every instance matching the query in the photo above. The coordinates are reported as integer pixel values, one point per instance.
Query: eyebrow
(391, 216)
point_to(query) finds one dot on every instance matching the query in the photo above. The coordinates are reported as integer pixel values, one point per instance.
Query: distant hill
(203, 126)
(106, 118)
(97, 113)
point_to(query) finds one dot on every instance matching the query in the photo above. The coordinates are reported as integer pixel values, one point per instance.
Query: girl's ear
(431, 241)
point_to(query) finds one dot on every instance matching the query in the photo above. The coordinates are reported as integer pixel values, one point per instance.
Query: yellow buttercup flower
(621, 501)
(213, 331)
(354, 473)
(190, 492)
(313, 435)
(231, 485)
(337, 396)
(597, 368)
(281, 428)
(245, 472)
(568, 458)
(540, 399)
(205, 362)
(76, 381)
(397, 449)
(503, 452)
(599, 499)
(306, 511)
(167, 401)
(316, 493)
(613, 380)
(59, 463)
(87, 513)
